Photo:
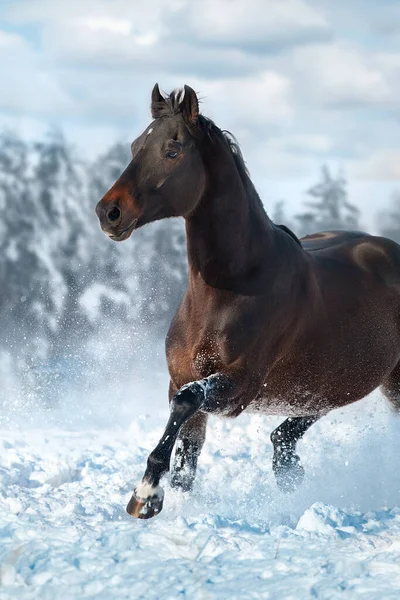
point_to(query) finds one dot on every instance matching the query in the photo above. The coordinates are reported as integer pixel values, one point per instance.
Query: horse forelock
(177, 96)
(171, 104)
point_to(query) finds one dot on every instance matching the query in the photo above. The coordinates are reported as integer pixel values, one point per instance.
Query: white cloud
(11, 41)
(303, 143)
(27, 127)
(383, 164)
(117, 26)
(268, 70)
(263, 98)
(341, 74)
(254, 23)
(26, 85)
(112, 33)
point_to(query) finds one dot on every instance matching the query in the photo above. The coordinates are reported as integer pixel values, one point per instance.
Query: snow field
(64, 532)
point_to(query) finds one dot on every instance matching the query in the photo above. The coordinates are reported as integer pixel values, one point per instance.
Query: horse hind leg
(188, 447)
(286, 464)
(391, 388)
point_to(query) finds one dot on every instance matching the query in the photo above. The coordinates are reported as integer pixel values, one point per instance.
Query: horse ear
(157, 101)
(189, 105)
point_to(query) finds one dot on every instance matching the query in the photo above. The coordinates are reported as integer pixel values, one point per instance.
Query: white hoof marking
(146, 490)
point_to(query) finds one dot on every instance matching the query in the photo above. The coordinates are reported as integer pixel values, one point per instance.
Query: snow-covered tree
(330, 207)
(62, 233)
(163, 276)
(112, 292)
(26, 273)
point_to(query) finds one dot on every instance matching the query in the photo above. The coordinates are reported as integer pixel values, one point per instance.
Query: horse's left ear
(190, 105)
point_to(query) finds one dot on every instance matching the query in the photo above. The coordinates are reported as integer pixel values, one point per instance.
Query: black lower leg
(183, 406)
(285, 463)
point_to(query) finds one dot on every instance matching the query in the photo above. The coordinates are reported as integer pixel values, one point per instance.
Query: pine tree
(63, 231)
(65, 286)
(330, 209)
(22, 268)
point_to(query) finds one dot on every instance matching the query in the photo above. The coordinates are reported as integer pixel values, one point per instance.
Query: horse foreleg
(214, 394)
(286, 465)
(148, 496)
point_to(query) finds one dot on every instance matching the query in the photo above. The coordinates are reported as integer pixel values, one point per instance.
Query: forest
(66, 288)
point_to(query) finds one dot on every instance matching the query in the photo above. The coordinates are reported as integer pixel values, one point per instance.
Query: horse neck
(229, 234)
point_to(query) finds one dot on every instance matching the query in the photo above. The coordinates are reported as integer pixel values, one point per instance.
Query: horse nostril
(113, 214)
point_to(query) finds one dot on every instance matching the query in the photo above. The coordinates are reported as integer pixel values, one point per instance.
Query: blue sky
(299, 82)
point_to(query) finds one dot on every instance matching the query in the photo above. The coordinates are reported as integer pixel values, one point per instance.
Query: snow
(67, 474)
(92, 298)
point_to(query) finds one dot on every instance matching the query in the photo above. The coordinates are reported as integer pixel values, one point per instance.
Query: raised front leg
(217, 393)
(286, 465)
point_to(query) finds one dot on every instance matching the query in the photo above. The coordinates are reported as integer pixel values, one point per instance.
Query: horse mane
(290, 232)
(233, 146)
(208, 126)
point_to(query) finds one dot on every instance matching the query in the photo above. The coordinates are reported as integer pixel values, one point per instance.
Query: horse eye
(171, 154)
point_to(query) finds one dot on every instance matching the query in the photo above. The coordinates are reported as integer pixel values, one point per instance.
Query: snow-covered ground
(67, 474)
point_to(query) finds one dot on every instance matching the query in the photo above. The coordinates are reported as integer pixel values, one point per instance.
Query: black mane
(290, 232)
(208, 126)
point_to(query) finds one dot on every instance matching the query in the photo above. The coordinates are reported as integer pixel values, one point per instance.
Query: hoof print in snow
(145, 508)
(289, 473)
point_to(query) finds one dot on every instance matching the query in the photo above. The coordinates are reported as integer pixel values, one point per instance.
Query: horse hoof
(146, 502)
(289, 475)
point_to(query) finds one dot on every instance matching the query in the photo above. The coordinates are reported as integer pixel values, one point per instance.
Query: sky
(298, 82)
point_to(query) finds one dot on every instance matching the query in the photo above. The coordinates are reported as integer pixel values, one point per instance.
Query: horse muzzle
(113, 223)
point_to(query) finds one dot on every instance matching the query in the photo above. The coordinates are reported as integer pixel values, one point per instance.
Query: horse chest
(214, 338)
(200, 355)
(206, 358)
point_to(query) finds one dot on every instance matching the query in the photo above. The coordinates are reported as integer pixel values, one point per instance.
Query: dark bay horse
(268, 323)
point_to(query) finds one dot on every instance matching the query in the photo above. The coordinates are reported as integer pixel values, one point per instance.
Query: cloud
(383, 164)
(170, 34)
(342, 75)
(300, 82)
(27, 86)
(113, 25)
(254, 25)
(11, 41)
(252, 101)
(303, 144)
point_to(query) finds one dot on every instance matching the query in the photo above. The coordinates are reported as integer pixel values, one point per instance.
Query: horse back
(324, 240)
(377, 256)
